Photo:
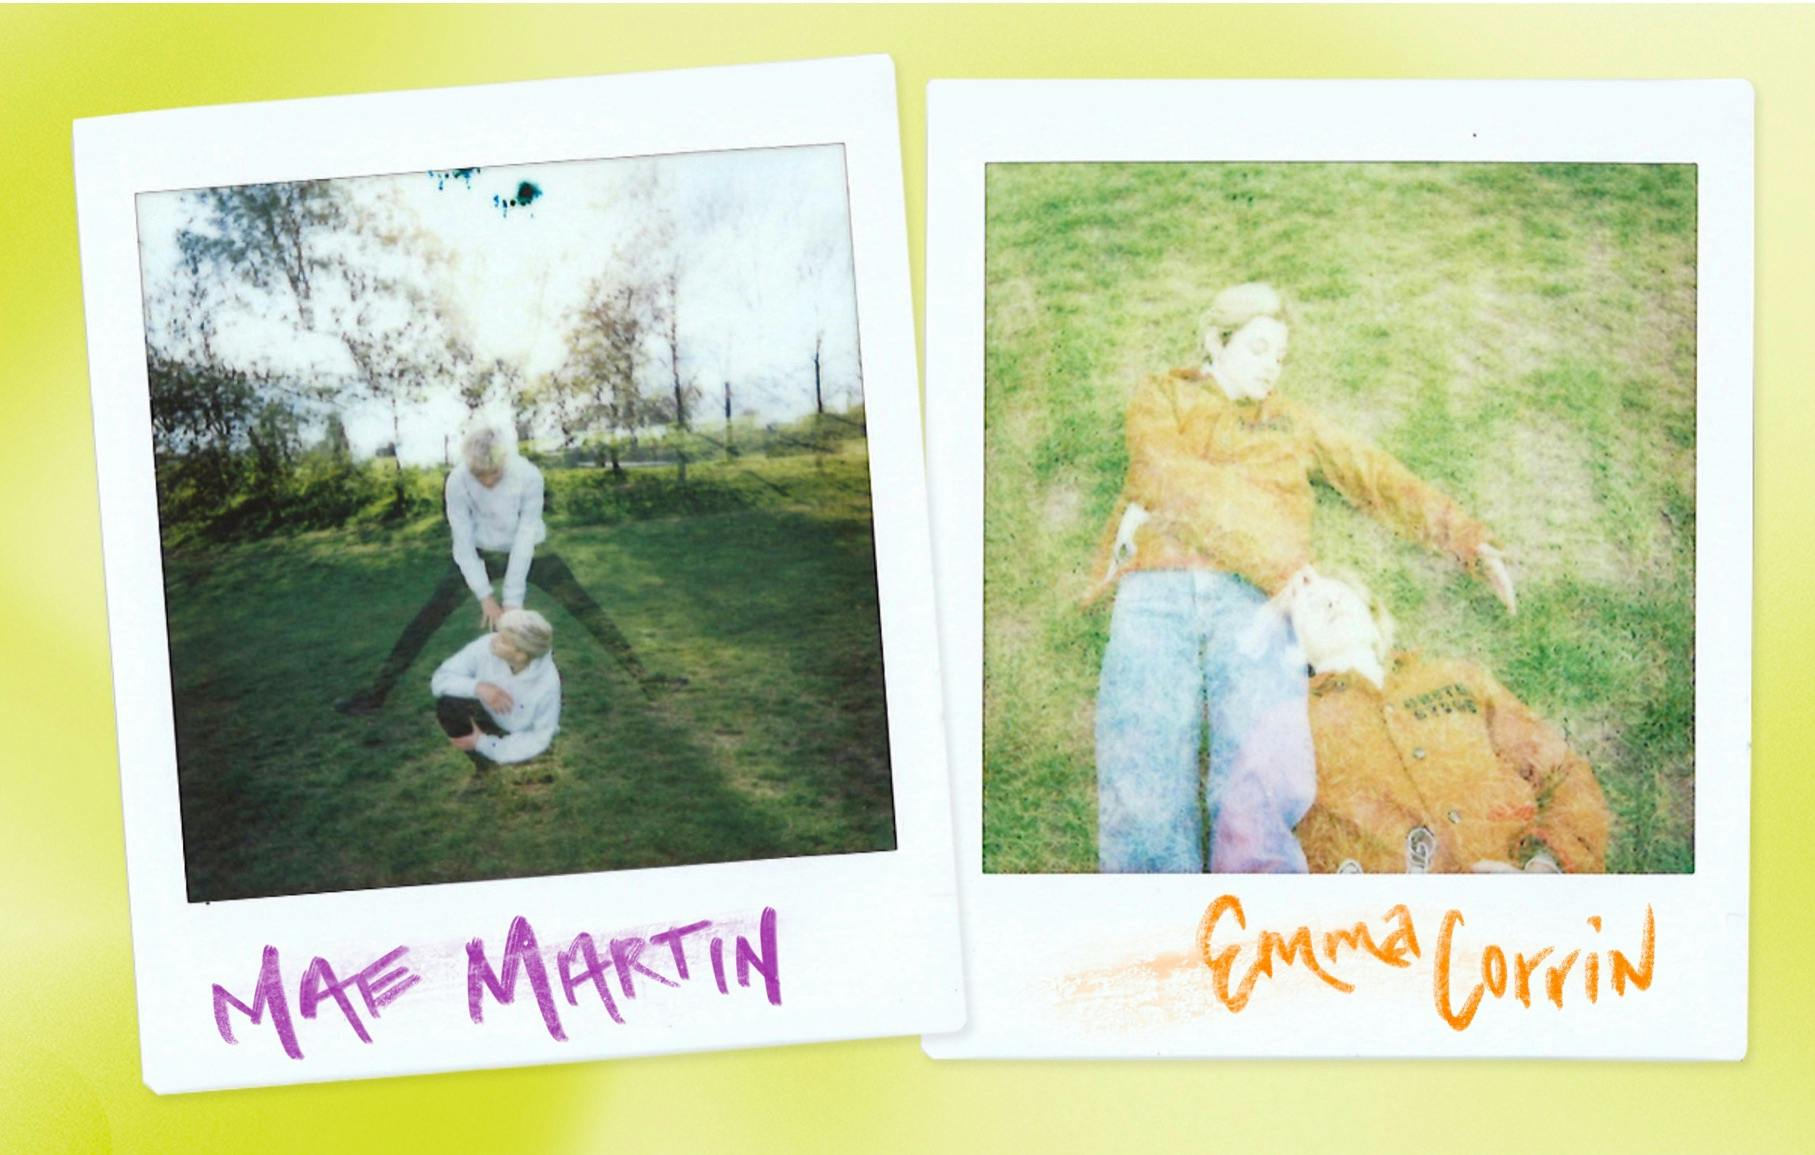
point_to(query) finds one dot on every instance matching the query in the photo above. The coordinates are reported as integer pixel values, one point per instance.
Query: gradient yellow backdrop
(68, 1037)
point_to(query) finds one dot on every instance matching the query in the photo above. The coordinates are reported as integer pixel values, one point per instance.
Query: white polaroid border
(1035, 943)
(866, 944)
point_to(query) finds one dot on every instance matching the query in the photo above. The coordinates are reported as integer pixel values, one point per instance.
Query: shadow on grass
(777, 747)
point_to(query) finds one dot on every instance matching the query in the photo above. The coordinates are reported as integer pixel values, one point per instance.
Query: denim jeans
(1189, 649)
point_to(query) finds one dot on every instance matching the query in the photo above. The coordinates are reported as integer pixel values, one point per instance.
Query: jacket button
(1455, 816)
(1418, 752)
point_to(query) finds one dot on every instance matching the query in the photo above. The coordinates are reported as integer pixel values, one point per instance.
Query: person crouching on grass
(499, 697)
(1429, 765)
(494, 515)
(1215, 516)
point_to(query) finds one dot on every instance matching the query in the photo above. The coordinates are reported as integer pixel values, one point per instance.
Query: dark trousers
(458, 716)
(546, 572)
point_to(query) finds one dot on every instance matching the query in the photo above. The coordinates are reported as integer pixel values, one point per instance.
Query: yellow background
(68, 1038)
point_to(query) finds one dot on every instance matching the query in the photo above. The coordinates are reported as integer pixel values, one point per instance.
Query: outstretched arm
(1572, 813)
(466, 554)
(1379, 483)
(523, 546)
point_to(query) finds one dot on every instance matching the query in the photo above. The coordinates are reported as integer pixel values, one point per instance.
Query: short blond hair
(528, 630)
(1234, 307)
(483, 449)
(1384, 625)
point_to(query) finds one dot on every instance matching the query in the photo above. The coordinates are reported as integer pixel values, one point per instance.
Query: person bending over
(499, 697)
(1429, 765)
(494, 514)
(1215, 515)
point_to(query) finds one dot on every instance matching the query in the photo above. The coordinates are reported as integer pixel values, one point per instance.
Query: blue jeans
(1190, 649)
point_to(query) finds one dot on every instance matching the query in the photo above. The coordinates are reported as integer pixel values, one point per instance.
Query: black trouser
(548, 572)
(458, 716)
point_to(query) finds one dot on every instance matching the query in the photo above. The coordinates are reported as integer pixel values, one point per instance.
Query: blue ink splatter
(443, 175)
(528, 192)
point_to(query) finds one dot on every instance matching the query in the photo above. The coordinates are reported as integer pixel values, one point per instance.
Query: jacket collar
(1200, 376)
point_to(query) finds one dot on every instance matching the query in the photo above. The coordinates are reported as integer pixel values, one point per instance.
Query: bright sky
(764, 241)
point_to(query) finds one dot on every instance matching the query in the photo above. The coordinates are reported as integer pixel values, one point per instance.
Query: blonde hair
(1384, 625)
(1234, 307)
(528, 630)
(483, 448)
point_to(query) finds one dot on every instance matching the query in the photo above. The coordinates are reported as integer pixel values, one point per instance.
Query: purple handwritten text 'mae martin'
(676, 957)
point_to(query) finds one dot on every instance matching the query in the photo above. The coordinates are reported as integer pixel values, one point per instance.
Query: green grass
(1522, 335)
(777, 747)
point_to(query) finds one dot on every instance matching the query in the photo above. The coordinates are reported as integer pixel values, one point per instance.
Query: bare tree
(271, 235)
(669, 288)
(484, 382)
(202, 409)
(658, 259)
(605, 355)
(817, 274)
(354, 273)
(558, 398)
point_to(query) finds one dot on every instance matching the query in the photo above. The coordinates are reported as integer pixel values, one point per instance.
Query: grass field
(1521, 335)
(777, 747)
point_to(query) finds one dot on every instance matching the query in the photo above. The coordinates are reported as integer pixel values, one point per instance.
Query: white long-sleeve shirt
(502, 517)
(535, 695)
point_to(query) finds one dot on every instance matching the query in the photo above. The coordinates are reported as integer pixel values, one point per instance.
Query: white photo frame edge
(869, 940)
(1021, 931)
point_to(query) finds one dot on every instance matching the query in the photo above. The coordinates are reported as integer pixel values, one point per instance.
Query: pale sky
(749, 223)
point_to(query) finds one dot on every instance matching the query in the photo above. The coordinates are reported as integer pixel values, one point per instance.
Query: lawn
(1521, 335)
(763, 597)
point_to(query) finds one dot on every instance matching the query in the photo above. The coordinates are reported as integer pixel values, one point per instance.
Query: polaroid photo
(1345, 478)
(518, 573)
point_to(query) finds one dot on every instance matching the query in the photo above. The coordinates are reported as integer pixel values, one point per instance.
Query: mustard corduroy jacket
(1227, 484)
(1441, 769)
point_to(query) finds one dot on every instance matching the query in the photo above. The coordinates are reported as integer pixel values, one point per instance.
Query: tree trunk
(397, 455)
(819, 407)
(729, 452)
(819, 400)
(680, 394)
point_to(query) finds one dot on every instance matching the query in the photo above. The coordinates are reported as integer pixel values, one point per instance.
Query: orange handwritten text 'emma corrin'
(1457, 992)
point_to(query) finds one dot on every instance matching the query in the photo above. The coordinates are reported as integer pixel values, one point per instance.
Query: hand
(1493, 568)
(489, 612)
(470, 741)
(1543, 863)
(1489, 866)
(1133, 518)
(1271, 617)
(496, 697)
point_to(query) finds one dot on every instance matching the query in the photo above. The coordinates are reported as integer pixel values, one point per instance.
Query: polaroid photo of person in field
(1339, 480)
(418, 434)
(1470, 385)
(517, 574)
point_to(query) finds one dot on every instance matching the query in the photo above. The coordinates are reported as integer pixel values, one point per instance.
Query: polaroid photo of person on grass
(523, 642)
(1322, 499)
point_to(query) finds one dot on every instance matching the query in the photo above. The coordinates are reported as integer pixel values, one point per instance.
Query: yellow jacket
(1444, 748)
(1227, 484)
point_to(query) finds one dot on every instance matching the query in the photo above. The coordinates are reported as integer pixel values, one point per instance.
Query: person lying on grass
(1428, 765)
(1215, 515)
(494, 515)
(499, 697)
